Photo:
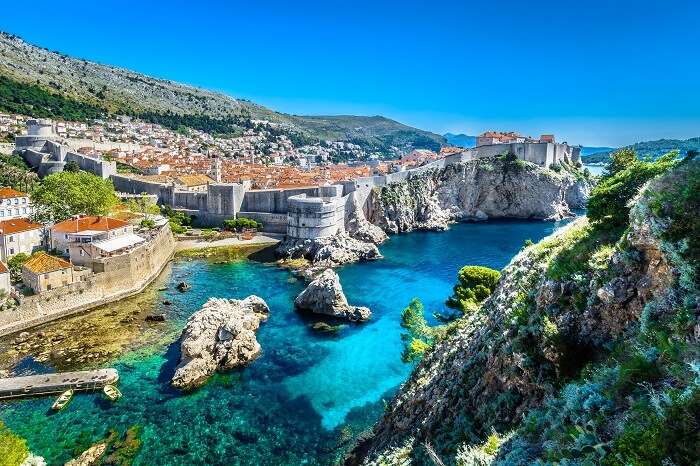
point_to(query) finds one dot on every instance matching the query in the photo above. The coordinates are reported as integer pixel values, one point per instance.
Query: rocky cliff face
(586, 351)
(478, 190)
(219, 336)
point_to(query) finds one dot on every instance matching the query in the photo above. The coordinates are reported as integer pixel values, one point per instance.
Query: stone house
(196, 182)
(14, 204)
(5, 286)
(43, 272)
(86, 229)
(19, 235)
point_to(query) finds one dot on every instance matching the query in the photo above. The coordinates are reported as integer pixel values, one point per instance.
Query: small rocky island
(325, 296)
(220, 336)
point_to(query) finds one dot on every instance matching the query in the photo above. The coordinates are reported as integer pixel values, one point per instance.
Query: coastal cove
(303, 401)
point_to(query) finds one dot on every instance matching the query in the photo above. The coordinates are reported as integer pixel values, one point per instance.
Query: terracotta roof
(6, 193)
(100, 223)
(3, 268)
(44, 263)
(193, 180)
(17, 225)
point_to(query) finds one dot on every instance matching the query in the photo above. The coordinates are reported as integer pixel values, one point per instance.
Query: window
(12, 251)
(12, 239)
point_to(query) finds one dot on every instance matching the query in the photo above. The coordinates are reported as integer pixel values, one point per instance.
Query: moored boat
(62, 400)
(112, 392)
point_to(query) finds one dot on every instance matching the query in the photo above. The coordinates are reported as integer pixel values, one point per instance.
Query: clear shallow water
(308, 395)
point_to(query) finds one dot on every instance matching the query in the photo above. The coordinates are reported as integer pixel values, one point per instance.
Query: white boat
(63, 400)
(112, 392)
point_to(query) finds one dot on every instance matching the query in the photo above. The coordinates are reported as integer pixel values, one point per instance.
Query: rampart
(115, 278)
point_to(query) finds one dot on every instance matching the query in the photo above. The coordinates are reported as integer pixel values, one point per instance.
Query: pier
(52, 384)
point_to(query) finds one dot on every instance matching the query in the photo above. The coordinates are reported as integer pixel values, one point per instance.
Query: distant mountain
(585, 151)
(45, 83)
(460, 140)
(650, 148)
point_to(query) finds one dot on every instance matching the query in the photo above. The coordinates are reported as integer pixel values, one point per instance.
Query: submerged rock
(330, 251)
(183, 286)
(90, 456)
(219, 336)
(155, 317)
(324, 295)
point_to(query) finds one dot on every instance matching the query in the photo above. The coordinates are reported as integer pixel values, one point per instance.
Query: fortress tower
(216, 171)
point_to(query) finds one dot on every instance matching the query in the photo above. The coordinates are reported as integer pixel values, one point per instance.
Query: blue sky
(594, 72)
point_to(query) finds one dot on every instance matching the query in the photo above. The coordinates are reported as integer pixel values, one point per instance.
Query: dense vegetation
(33, 100)
(242, 223)
(62, 195)
(15, 173)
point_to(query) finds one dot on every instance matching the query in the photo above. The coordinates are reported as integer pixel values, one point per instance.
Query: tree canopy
(474, 284)
(62, 195)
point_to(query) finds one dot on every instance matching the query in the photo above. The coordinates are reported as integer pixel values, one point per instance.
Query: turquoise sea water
(308, 395)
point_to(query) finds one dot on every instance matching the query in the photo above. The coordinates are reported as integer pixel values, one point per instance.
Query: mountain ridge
(120, 90)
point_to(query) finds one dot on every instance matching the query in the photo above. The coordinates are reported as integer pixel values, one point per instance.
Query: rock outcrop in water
(324, 295)
(577, 357)
(330, 251)
(219, 336)
(478, 190)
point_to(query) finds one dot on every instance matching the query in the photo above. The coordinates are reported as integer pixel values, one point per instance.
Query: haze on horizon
(597, 74)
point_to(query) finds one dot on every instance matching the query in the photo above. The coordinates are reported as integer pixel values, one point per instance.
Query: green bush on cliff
(474, 284)
(609, 200)
(13, 450)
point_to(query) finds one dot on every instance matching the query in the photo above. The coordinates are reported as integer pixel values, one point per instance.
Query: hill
(460, 140)
(650, 148)
(40, 82)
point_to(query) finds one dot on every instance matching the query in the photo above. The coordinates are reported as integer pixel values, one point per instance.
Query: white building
(14, 204)
(86, 238)
(5, 286)
(19, 235)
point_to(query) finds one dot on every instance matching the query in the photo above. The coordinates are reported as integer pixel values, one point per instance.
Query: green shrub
(475, 284)
(609, 200)
(15, 265)
(148, 223)
(242, 223)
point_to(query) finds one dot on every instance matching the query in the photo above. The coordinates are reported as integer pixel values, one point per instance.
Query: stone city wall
(117, 278)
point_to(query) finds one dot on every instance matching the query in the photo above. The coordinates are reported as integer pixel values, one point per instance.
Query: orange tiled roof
(7, 193)
(194, 180)
(100, 223)
(44, 263)
(17, 225)
(3, 268)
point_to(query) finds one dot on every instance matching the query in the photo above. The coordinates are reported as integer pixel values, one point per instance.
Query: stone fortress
(300, 213)
(43, 151)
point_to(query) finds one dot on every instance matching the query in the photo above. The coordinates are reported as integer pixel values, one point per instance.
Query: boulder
(330, 251)
(324, 295)
(220, 336)
(183, 286)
